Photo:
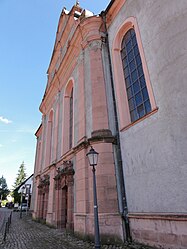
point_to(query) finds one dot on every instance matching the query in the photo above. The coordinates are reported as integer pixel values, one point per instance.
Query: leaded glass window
(138, 98)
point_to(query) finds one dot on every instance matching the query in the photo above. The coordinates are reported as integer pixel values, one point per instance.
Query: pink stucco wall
(64, 191)
(153, 170)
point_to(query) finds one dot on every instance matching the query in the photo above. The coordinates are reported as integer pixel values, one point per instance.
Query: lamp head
(92, 157)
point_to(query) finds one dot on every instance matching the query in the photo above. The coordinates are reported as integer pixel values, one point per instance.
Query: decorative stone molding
(64, 175)
(44, 183)
(100, 136)
(104, 135)
(95, 45)
(159, 216)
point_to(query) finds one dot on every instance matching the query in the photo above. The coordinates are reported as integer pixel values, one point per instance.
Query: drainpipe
(122, 200)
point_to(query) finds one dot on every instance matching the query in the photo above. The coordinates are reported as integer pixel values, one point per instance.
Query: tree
(21, 177)
(3, 188)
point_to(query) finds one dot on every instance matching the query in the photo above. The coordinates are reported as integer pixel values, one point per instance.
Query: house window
(71, 119)
(137, 94)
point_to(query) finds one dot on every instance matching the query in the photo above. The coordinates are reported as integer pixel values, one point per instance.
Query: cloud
(5, 120)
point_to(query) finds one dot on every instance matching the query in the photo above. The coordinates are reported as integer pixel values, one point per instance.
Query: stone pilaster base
(167, 231)
(110, 226)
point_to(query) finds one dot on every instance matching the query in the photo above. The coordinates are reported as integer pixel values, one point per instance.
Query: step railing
(5, 225)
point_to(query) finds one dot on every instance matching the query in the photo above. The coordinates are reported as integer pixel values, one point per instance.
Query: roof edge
(21, 184)
(109, 6)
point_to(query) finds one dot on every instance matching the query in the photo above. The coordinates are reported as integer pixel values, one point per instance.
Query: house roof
(16, 189)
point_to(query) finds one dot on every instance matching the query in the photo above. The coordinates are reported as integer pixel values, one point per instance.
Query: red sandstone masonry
(149, 235)
(184, 240)
(159, 230)
(168, 238)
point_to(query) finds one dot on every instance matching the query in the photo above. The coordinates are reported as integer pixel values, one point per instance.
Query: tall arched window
(137, 94)
(68, 117)
(39, 157)
(71, 120)
(133, 88)
(49, 138)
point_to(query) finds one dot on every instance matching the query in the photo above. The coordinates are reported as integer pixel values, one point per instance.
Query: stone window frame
(49, 136)
(38, 156)
(119, 81)
(138, 98)
(66, 117)
(71, 114)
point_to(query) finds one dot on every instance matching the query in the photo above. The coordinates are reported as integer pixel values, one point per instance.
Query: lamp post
(27, 186)
(22, 189)
(93, 158)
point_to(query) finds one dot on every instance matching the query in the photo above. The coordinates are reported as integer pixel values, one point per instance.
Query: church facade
(116, 82)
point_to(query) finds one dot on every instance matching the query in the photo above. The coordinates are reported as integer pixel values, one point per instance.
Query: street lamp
(22, 190)
(27, 186)
(93, 158)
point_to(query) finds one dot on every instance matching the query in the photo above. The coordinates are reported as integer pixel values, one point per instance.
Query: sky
(27, 36)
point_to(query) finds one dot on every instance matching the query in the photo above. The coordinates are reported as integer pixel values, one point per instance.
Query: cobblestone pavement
(27, 234)
(4, 213)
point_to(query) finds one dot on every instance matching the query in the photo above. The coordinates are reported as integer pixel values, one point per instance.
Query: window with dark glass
(138, 98)
(71, 120)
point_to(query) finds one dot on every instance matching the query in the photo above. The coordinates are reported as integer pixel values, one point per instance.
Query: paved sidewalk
(27, 234)
(4, 213)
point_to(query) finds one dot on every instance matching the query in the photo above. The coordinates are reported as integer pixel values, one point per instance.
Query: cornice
(86, 32)
(112, 10)
(39, 131)
(48, 99)
(98, 136)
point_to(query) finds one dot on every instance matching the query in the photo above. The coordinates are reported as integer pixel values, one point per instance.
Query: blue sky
(27, 35)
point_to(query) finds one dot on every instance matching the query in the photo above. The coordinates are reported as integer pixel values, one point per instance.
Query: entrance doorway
(64, 206)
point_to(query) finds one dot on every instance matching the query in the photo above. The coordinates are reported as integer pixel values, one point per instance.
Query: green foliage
(21, 176)
(17, 197)
(3, 188)
(3, 203)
